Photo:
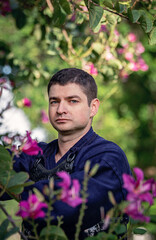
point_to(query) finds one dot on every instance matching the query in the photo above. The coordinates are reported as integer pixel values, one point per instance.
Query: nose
(62, 108)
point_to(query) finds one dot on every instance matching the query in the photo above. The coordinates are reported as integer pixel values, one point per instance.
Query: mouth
(61, 120)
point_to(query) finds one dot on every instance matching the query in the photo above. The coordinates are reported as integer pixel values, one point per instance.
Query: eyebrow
(68, 97)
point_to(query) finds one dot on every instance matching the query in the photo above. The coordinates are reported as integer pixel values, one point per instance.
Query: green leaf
(20, 18)
(133, 15)
(146, 22)
(53, 231)
(95, 15)
(5, 159)
(18, 179)
(59, 16)
(119, 7)
(65, 5)
(153, 218)
(111, 19)
(3, 228)
(120, 229)
(107, 3)
(152, 37)
(140, 231)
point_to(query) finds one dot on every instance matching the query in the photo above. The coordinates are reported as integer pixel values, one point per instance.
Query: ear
(94, 106)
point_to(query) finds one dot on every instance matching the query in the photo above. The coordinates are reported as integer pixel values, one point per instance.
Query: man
(72, 105)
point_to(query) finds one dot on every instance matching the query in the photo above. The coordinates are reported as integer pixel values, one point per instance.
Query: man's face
(68, 109)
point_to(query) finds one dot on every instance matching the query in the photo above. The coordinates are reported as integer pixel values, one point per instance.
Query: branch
(108, 10)
(50, 5)
(12, 222)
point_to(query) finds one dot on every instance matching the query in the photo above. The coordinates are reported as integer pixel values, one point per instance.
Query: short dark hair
(78, 76)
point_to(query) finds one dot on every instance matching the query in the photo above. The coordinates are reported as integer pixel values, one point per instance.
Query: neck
(65, 142)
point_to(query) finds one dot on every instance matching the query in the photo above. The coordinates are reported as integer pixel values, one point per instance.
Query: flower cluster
(69, 194)
(131, 51)
(90, 68)
(44, 117)
(32, 208)
(139, 191)
(27, 144)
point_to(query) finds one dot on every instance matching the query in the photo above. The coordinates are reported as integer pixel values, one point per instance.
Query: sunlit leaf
(152, 36)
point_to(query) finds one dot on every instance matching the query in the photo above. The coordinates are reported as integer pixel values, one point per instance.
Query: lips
(62, 120)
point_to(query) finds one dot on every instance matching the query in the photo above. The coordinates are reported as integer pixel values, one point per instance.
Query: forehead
(68, 89)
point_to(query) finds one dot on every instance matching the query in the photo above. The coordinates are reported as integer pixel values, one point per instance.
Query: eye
(53, 102)
(73, 101)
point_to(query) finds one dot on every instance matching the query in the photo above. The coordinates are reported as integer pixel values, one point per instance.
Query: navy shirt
(112, 164)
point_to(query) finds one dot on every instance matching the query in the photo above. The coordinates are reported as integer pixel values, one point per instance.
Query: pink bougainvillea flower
(132, 37)
(26, 102)
(32, 208)
(44, 117)
(31, 147)
(70, 190)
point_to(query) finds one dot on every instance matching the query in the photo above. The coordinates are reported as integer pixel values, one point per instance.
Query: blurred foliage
(41, 37)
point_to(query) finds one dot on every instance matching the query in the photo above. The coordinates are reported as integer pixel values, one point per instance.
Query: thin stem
(108, 10)
(12, 222)
(50, 5)
(83, 206)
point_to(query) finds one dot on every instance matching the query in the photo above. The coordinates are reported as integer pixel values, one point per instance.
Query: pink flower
(103, 28)
(129, 56)
(32, 208)
(69, 194)
(108, 54)
(142, 65)
(135, 211)
(138, 191)
(131, 37)
(26, 102)
(123, 75)
(44, 117)
(89, 67)
(133, 66)
(139, 48)
(31, 147)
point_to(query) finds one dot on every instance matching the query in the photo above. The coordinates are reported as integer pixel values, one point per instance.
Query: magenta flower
(138, 191)
(90, 68)
(31, 147)
(135, 211)
(131, 37)
(44, 117)
(69, 194)
(26, 102)
(32, 208)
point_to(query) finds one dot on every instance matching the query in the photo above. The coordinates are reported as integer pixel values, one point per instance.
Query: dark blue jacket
(112, 164)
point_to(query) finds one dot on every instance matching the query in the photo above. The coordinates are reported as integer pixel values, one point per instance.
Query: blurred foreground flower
(69, 194)
(138, 191)
(28, 146)
(44, 117)
(32, 208)
(26, 102)
(90, 68)
(31, 147)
